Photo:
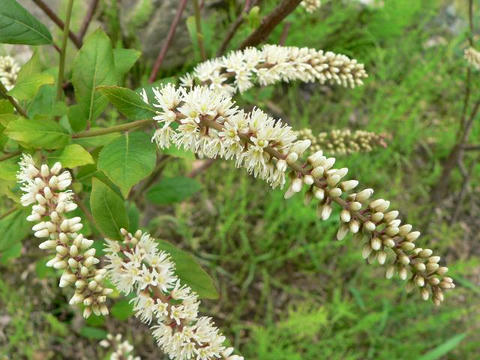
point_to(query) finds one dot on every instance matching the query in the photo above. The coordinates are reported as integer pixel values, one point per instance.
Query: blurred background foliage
(288, 290)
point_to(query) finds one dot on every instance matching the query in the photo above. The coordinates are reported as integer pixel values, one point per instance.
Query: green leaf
(108, 209)
(37, 133)
(190, 272)
(95, 141)
(45, 103)
(128, 102)
(18, 26)
(125, 59)
(72, 156)
(172, 190)
(93, 333)
(12, 252)
(122, 309)
(179, 152)
(127, 160)
(9, 169)
(6, 106)
(444, 348)
(30, 79)
(42, 270)
(14, 228)
(93, 66)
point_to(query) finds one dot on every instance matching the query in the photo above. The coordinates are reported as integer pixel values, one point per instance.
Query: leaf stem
(88, 19)
(51, 14)
(5, 214)
(63, 52)
(112, 129)
(10, 155)
(198, 25)
(14, 102)
(171, 32)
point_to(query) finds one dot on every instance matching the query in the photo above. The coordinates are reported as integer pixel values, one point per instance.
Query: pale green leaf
(108, 209)
(37, 133)
(72, 156)
(127, 160)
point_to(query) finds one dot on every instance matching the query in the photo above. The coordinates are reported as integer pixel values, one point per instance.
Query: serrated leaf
(72, 156)
(18, 26)
(108, 209)
(14, 228)
(37, 133)
(189, 272)
(127, 160)
(128, 102)
(172, 190)
(93, 66)
(125, 59)
(122, 309)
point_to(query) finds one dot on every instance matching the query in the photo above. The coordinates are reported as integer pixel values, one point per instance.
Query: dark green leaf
(108, 209)
(93, 333)
(122, 309)
(128, 102)
(14, 228)
(18, 26)
(38, 133)
(127, 160)
(172, 190)
(190, 272)
(93, 66)
(125, 59)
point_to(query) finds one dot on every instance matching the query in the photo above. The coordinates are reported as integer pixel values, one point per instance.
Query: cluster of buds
(311, 5)
(138, 265)
(344, 142)
(473, 57)
(47, 190)
(385, 239)
(240, 70)
(222, 130)
(9, 70)
(121, 350)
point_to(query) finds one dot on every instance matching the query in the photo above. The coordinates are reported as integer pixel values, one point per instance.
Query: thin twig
(270, 22)
(63, 52)
(249, 4)
(89, 215)
(88, 18)
(198, 25)
(283, 37)
(168, 41)
(463, 191)
(5, 214)
(14, 102)
(112, 129)
(200, 169)
(10, 155)
(51, 14)
(471, 147)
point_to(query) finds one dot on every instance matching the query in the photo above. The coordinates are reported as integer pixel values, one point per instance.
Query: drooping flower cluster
(121, 350)
(47, 190)
(211, 125)
(138, 265)
(240, 70)
(311, 5)
(9, 70)
(473, 57)
(344, 142)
